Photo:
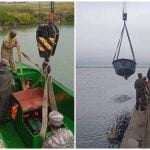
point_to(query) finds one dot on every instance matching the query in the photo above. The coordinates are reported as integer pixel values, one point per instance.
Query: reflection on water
(119, 126)
(62, 63)
(102, 97)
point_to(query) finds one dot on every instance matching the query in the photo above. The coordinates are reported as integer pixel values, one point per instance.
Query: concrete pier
(137, 134)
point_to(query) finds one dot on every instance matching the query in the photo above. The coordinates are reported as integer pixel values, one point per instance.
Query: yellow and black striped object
(47, 37)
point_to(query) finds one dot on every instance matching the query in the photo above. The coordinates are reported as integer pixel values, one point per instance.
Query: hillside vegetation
(28, 13)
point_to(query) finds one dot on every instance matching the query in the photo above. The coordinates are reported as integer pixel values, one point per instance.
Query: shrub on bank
(70, 18)
(67, 18)
(25, 18)
(24, 15)
(6, 19)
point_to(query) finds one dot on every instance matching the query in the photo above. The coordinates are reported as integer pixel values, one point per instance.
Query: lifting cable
(52, 7)
(49, 97)
(124, 15)
(40, 13)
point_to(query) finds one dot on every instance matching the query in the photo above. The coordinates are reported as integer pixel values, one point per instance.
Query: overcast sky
(98, 27)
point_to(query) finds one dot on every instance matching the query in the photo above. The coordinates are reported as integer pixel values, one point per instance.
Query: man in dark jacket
(140, 92)
(5, 90)
(148, 74)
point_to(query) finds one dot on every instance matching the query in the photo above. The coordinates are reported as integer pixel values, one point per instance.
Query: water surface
(102, 96)
(62, 63)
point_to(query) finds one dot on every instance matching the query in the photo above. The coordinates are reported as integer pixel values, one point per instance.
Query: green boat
(23, 131)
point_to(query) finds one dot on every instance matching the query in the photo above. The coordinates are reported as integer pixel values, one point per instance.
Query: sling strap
(124, 29)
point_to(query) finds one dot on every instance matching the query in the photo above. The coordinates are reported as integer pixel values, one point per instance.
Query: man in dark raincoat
(140, 92)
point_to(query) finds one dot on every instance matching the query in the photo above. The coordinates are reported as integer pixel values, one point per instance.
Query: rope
(44, 111)
(20, 67)
(48, 97)
(130, 42)
(124, 8)
(52, 10)
(119, 44)
(51, 96)
(30, 60)
(52, 7)
(39, 13)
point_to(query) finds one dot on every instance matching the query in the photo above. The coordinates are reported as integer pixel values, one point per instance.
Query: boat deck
(12, 138)
(16, 134)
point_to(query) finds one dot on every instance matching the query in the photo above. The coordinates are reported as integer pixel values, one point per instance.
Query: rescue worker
(9, 42)
(148, 74)
(145, 82)
(61, 137)
(140, 92)
(5, 90)
(145, 85)
(148, 91)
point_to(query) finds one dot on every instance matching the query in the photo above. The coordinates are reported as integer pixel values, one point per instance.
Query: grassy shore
(27, 13)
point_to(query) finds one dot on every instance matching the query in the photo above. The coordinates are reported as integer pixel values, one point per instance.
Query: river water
(62, 63)
(102, 96)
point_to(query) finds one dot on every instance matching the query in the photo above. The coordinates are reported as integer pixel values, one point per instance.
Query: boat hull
(24, 137)
(124, 67)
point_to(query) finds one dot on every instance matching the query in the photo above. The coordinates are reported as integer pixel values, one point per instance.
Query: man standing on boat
(61, 137)
(9, 42)
(140, 92)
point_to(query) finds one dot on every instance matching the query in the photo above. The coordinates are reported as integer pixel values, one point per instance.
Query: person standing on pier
(148, 86)
(140, 93)
(148, 74)
(145, 97)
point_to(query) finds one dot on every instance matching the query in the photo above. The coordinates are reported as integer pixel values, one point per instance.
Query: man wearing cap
(9, 42)
(61, 137)
(140, 92)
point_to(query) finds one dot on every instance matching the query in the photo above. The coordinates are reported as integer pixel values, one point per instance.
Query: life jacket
(14, 111)
(47, 36)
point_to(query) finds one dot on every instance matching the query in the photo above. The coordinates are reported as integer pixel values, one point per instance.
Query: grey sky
(98, 27)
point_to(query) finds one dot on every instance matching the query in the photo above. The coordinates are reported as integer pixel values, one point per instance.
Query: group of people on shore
(142, 87)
